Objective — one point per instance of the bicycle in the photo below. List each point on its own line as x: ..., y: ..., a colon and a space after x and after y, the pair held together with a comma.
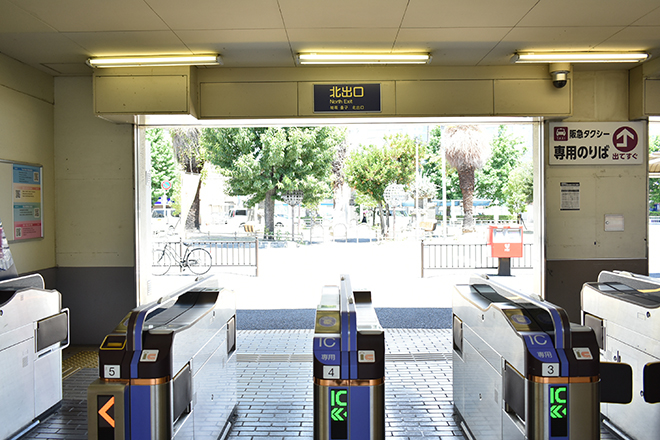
x: 198, y: 260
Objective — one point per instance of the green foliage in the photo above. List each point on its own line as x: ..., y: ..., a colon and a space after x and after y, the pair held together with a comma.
x: 654, y: 190
x: 258, y: 160
x: 163, y: 165
x: 654, y: 183
x: 370, y: 170
x: 518, y: 190
x: 654, y: 144
x: 505, y: 156
x: 432, y: 167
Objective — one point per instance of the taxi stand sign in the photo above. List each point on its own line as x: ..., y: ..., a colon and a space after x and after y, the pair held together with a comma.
x: 597, y: 143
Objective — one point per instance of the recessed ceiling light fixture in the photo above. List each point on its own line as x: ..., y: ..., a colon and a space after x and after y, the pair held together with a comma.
x: 579, y: 57
x: 364, y: 58
x: 160, y: 60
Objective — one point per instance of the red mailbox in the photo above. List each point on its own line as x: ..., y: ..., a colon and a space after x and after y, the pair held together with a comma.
x: 505, y: 241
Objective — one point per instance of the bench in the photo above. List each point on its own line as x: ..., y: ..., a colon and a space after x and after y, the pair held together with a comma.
x: 428, y: 227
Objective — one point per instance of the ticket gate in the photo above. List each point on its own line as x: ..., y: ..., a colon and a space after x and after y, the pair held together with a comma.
x: 349, y: 366
x: 34, y: 329
x: 168, y: 370
x: 520, y: 369
x: 624, y: 311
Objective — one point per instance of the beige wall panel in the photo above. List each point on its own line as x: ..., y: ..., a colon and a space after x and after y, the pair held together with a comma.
x: 570, y: 234
x: 603, y: 191
x: 97, y: 228
x: 94, y: 176
x: 626, y: 186
x: 387, y: 98
x: 636, y: 93
x: 531, y: 98
x: 337, y: 74
x: 600, y: 96
x: 438, y: 98
x: 26, y: 124
x: 141, y: 94
x: 241, y: 100
x: 24, y: 79
x: 652, y: 97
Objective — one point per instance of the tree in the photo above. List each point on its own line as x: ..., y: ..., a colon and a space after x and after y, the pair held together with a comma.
x: 264, y: 163
x: 654, y: 182
x: 654, y: 144
x: 467, y: 150
x: 191, y: 156
x: 519, y: 189
x: 371, y: 169
x: 163, y: 164
x: 505, y: 156
x: 432, y: 168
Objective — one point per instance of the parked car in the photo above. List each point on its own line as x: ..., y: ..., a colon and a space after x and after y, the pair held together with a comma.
x: 237, y: 217
x: 164, y: 220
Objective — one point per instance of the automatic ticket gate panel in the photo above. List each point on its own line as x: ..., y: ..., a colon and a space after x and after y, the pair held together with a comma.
x: 349, y: 367
x: 624, y: 309
x: 521, y: 371
x: 34, y: 329
x: 168, y: 370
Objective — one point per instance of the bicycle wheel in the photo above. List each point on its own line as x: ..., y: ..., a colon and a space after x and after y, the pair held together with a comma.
x: 199, y: 261
x: 161, y: 261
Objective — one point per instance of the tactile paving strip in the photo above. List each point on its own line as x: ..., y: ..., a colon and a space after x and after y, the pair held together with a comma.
x: 78, y: 361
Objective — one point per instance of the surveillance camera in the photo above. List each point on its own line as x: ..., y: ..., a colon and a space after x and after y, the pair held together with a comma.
x: 559, y: 73
x: 559, y: 78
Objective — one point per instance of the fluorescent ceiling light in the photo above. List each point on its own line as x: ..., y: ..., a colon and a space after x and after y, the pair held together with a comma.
x: 362, y: 58
x: 162, y: 60
x: 579, y: 57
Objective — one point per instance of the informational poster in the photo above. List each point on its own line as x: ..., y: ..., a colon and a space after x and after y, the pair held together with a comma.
x: 27, y: 201
x: 597, y: 143
x: 570, y: 196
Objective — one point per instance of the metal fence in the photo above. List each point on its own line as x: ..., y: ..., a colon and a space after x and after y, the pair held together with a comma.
x: 467, y: 256
x: 230, y: 253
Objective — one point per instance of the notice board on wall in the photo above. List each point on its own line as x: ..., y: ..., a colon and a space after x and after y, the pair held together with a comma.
x: 21, y: 200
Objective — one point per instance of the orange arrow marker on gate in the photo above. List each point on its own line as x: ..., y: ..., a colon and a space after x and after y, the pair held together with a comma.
x: 103, y: 412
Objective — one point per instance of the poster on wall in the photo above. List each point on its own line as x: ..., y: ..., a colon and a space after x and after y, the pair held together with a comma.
x: 597, y: 143
x: 570, y: 196
x: 27, y: 201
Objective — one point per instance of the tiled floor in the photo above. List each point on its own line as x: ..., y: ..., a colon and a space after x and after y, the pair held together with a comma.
x: 275, y: 389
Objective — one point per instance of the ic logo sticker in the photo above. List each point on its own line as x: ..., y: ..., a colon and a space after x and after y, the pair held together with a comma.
x: 149, y: 356
x: 582, y: 353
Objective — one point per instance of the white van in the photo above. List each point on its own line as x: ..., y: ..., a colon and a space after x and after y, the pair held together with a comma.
x: 164, y: 220
x: 237, y: 217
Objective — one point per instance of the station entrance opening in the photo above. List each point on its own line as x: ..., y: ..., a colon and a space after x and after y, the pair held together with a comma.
x: 373, y: 195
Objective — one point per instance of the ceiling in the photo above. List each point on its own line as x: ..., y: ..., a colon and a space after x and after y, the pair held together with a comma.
x: 57, y: 36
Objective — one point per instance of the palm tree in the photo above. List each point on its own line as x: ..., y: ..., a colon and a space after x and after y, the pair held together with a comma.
x: 467, y: 150
x: 189, y: 154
